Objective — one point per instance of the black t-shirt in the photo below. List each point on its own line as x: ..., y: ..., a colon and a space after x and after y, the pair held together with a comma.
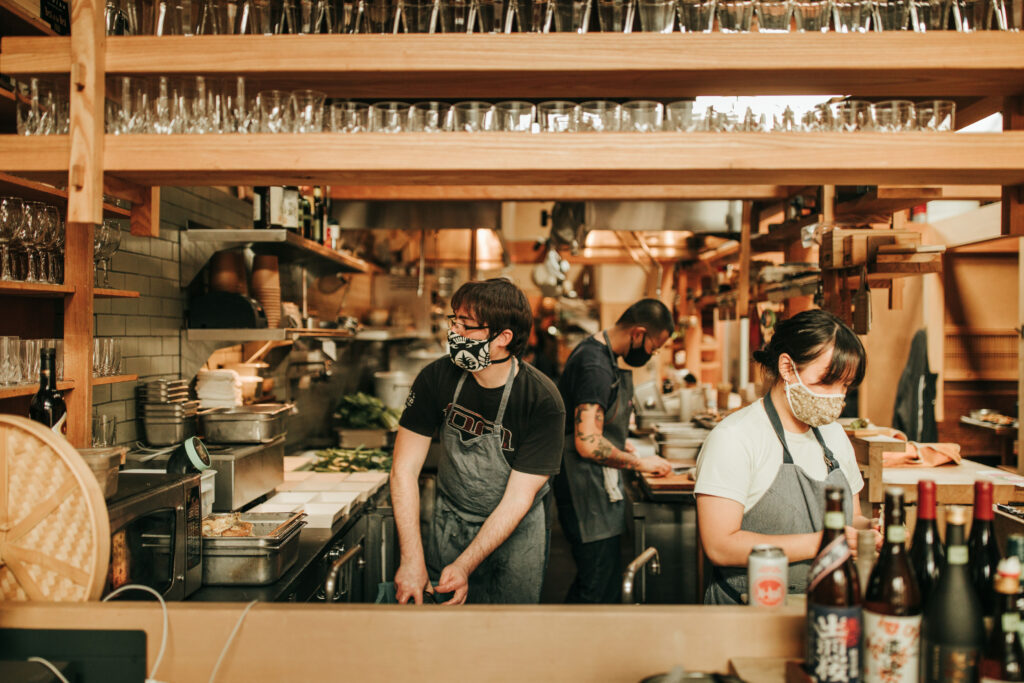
x: 534, y: 415
x: 587, y: 378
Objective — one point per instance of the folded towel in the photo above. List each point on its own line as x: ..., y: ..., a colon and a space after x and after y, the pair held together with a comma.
x: 923, y: 455
x: 611, y: 484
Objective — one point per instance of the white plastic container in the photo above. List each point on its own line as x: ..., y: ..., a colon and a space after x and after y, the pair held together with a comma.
x: 393, y: 388
x: 207, y: 492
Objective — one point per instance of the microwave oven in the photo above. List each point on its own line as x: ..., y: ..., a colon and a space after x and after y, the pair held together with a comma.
x: 156, y: 533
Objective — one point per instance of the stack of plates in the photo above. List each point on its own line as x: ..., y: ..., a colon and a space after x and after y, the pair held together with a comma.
x: 266, y: 286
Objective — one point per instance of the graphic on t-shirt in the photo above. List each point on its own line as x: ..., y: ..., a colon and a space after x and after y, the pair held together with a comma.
x: 472, y: 424
x: 410, y: 399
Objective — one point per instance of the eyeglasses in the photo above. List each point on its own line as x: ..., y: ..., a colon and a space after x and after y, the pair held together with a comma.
x: 454, y: 322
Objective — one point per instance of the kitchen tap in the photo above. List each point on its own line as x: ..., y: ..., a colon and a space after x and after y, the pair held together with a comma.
x: 649, y: 555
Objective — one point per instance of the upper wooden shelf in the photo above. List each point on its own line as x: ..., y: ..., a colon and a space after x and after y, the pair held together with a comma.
x: 41, y: 192
x: 30, y: 389
x: 285, y: 243
x: 34, y: 289
x: 21, y: 17
x: 546, y: 66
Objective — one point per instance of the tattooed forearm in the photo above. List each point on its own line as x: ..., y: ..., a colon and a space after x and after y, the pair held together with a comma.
x: 592, y: 445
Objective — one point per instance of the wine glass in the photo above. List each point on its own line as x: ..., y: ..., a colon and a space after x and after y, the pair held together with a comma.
x: 52, y: 223
x: 30, y: 235
x: 110, y: 244
x: 99, y: 240
x: 12, y: 210
x: 57, y: 260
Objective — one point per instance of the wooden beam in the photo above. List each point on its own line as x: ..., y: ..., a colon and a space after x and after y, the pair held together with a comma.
x: 743, y: 287
x: 979, y: 109
x: 1020, y: 356
x: 555, y: 192
x: 1013, y: 195
x: 145, y: 220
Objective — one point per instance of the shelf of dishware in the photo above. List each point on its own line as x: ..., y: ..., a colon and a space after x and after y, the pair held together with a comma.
x: 19, y: 390
x: 42, y: 192
x: 292, y: 246
x: 265, y: 334
x: 34, y: 289
x: 113, y: 379
x: 417, y: 66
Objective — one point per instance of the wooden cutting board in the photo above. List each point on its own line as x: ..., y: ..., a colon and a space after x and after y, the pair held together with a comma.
x: 673, y: 482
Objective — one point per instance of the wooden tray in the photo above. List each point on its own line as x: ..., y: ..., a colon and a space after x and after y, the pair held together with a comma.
x: 54, y: 528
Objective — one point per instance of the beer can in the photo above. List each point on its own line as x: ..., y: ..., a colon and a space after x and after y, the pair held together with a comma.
x: 767, y: 576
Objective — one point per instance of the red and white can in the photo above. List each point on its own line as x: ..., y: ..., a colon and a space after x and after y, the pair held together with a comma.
x: 767, y: 576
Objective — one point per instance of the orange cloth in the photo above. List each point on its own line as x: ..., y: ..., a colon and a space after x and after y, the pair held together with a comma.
x: 923, y: 455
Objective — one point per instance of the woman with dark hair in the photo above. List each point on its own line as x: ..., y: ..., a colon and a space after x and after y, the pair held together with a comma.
x: 762, y: 472
x: 500, y: 422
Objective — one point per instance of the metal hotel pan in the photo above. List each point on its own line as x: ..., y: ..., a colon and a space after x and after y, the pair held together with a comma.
x: 256, y: 560
x: 261, y: 423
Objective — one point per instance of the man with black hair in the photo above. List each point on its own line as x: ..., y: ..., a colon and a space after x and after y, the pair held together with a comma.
x: 599, y: 397
x: 501, y: 424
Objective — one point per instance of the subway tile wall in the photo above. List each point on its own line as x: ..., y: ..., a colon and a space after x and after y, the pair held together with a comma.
x: 150, y: 325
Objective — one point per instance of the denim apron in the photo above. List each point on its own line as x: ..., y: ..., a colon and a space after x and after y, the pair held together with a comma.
x: 793, y: 504
x: 471, y: 480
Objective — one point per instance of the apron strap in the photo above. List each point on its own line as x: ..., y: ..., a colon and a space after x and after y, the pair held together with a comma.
x: 505, y: 394
x: 613, y: 406
x: 787, y: 458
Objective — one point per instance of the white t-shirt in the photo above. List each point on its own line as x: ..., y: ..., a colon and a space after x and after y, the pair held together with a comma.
x: 742, y: 455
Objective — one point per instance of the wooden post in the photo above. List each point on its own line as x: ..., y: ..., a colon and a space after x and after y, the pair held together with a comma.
x: 85, y: 208
x: 743, y: 301
x: 1013, y: 195
x: 1020, y: 355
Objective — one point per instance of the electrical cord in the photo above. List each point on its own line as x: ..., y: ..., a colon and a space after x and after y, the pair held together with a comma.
x: 49, y: 665
x: 163, y: 637
x: 231, y: 638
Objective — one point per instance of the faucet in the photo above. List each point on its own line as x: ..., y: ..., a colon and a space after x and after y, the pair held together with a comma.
x: 331, y: 581
x: 649, y: 555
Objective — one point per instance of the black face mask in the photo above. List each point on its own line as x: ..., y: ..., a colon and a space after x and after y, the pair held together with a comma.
x: 637, y: 357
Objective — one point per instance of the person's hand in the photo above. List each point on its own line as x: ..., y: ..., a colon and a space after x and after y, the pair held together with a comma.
x: 851, y: 540
x: 629, y: 448
x: 454, y: 579
x: 410, y: 580
x: 659, y: 467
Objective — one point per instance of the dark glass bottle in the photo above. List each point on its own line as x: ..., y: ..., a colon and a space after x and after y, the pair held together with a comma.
x: 305, y: 217
x: 983, y: 548
x: 47, y: 405
x: 953, y: 632
x: 261, y: 207
x: 833, y: 601
x: 1004, y: 657
x: 926, y: 553
x: 319, y: 216
x: 892, y: 605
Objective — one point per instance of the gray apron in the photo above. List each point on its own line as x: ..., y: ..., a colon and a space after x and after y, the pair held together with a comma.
x: 793, y: 504
x: 471, y: 480
x: 598, y: 517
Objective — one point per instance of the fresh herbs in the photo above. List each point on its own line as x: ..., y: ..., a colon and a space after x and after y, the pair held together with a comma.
x: 362, y: 411
x: 352, y: 460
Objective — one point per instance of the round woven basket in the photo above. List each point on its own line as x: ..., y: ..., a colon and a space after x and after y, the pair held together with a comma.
x: 54, y: 527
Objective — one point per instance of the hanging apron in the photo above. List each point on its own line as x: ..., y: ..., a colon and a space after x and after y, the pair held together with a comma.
x: 600, y: 518
x: 793, y: 504
x: 471, y: 480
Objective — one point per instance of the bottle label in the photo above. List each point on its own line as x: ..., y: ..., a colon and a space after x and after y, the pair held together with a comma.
x: 956, y: 554
x: 61, y: 426
x: 257, y: 209
x: 892, y: 647
x: 835, y: 520
x: 896, y: 533
x: 277, y: 218
x: 1011, y: 622
x: 831, y: 557
x: 949, y: 662
x: 833, y: 643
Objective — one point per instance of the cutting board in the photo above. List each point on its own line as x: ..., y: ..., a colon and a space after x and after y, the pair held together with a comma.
x: 673, y: 482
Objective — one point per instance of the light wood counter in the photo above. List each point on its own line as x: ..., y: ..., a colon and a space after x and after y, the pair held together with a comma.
x: 287, y: 642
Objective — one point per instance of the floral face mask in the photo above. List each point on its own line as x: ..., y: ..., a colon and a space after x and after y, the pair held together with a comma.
x: 472, y: 355
x: 811, y: 408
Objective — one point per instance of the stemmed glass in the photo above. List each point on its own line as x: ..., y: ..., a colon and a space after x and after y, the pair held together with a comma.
x: 57, y: 247
x: 12, y: 210
x: 105, y: 243
x: 47, y: 249
x: 31, y: 236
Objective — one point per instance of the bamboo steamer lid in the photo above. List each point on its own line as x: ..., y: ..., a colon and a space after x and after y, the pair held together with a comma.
x: 54, y: 527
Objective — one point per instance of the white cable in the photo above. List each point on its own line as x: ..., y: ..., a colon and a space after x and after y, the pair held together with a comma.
x: 231, y: 638
x: 50, y: 666
x: 163, y: 606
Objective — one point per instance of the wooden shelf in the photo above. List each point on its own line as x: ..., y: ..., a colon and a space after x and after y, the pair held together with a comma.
x: 34, y: 289
x: 41, y: 192
x: 884, y: 201
x: 113, y: 379
x: 100, y: 293
x: 30, y: 389
x: 285, y: 243
x: 415, y: 66
x: 782, y: 235
x: 17, y: 18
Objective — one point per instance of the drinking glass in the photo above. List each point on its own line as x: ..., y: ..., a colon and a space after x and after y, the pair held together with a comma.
x: 935, y: 114
x: 890, y: 15
x: 120, y: 18
x: 323, y: 17
x: 309, y: 111
x: 571, y: 16
x: 28, y: 359
x: 249, y: 17
x: 853, y: 115
x: 656, y: 16
x: 104, y: 430
x: 51, y: 227
x: 532, y: 16
x: 599, y: 116
x: 36, y: 114
x: 514, y: 116
x: 277, y: 111
x: 734, y: 16
x: 643, y: 116
x: 10, y: 364
x: 558, y: 116
x: 851, y: 16
x: 894, y: 115
x: 350, y: 117
x: 490, y: 16
x: 472, y: 116
x: 58, y: 252
x: 979, y: 15
x: 286, y: 18
x: 12, y: 211
x: 453, y: 16
x: 31, y: 236
x: 212, y: 18
x: 773, y: 16
x: 429, y: 117
x: 811, y: 16
x: 240, y: 110
x: 97, y: 356
x: 721, y: 120
x: 111, y: 240
x: 681, y: 116
x: 419, y: 16
x: 696, y: 16
x: 376, y: 16
x: 389, y: 117
x: 615, y: 16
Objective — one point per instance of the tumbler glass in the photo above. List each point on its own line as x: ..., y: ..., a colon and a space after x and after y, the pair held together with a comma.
x: 419, y: 16
x: 514, y: 116
x: 894, y: 115
x: 212, y: 18
x: 643, y: 116
x: 389, y: 117
x: 734, y: 16
x: 928, y: 15
x: 10, y: 363
x: 853, y: 115
x: 532, y: 16
x: 615, y: 16
x: 277, y: 111
x: 429, y: 117
x: 453, y: 16
x: 473, y: 116
x: 696, y: 16
x: 350, y: 117
x: 936, y: 115
x: 97, y: 356
x: 599, y: 116
x: 811, y: 16
x: 309, y: 111
x: 890, y: 15
x: 28, y: 354
x: 851, y: 16
x: 681, y: 116
x: 571, y: 16
x: 558, y: 116
x: 376, y: 16
x: 773, y: 16
x: 656, y: 16
x: 979, y: 15
x: 104, y: 430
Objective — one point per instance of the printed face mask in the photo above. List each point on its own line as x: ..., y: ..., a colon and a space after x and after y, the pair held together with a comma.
x: 472, y: 355
x: 811, y: 408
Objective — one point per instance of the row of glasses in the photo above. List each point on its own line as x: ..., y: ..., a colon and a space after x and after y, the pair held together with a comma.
x: 43, y: 107
x: 166, y: 105
x: 31, y: 241
x: 106, y: 356
x: 19, y: 359
x: 106, y: 239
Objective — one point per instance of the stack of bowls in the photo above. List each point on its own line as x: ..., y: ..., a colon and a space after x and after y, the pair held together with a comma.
x: 266, y: 286
x: 227, y: 272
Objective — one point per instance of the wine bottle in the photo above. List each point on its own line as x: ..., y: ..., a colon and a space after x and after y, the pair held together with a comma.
x: 892, y: 605
x: 47, y: 405
x: 953, y: 632
x: 926, y: 553
x: 319, y: 216
x: 290, y: 208
x: 833, y: 601
x: 261, y: 207
x: 305, y: 217
x: 983, y: 548
x: 1004, y: 656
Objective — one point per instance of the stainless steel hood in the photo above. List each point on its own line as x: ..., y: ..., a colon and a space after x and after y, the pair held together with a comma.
x: 716, y: 216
